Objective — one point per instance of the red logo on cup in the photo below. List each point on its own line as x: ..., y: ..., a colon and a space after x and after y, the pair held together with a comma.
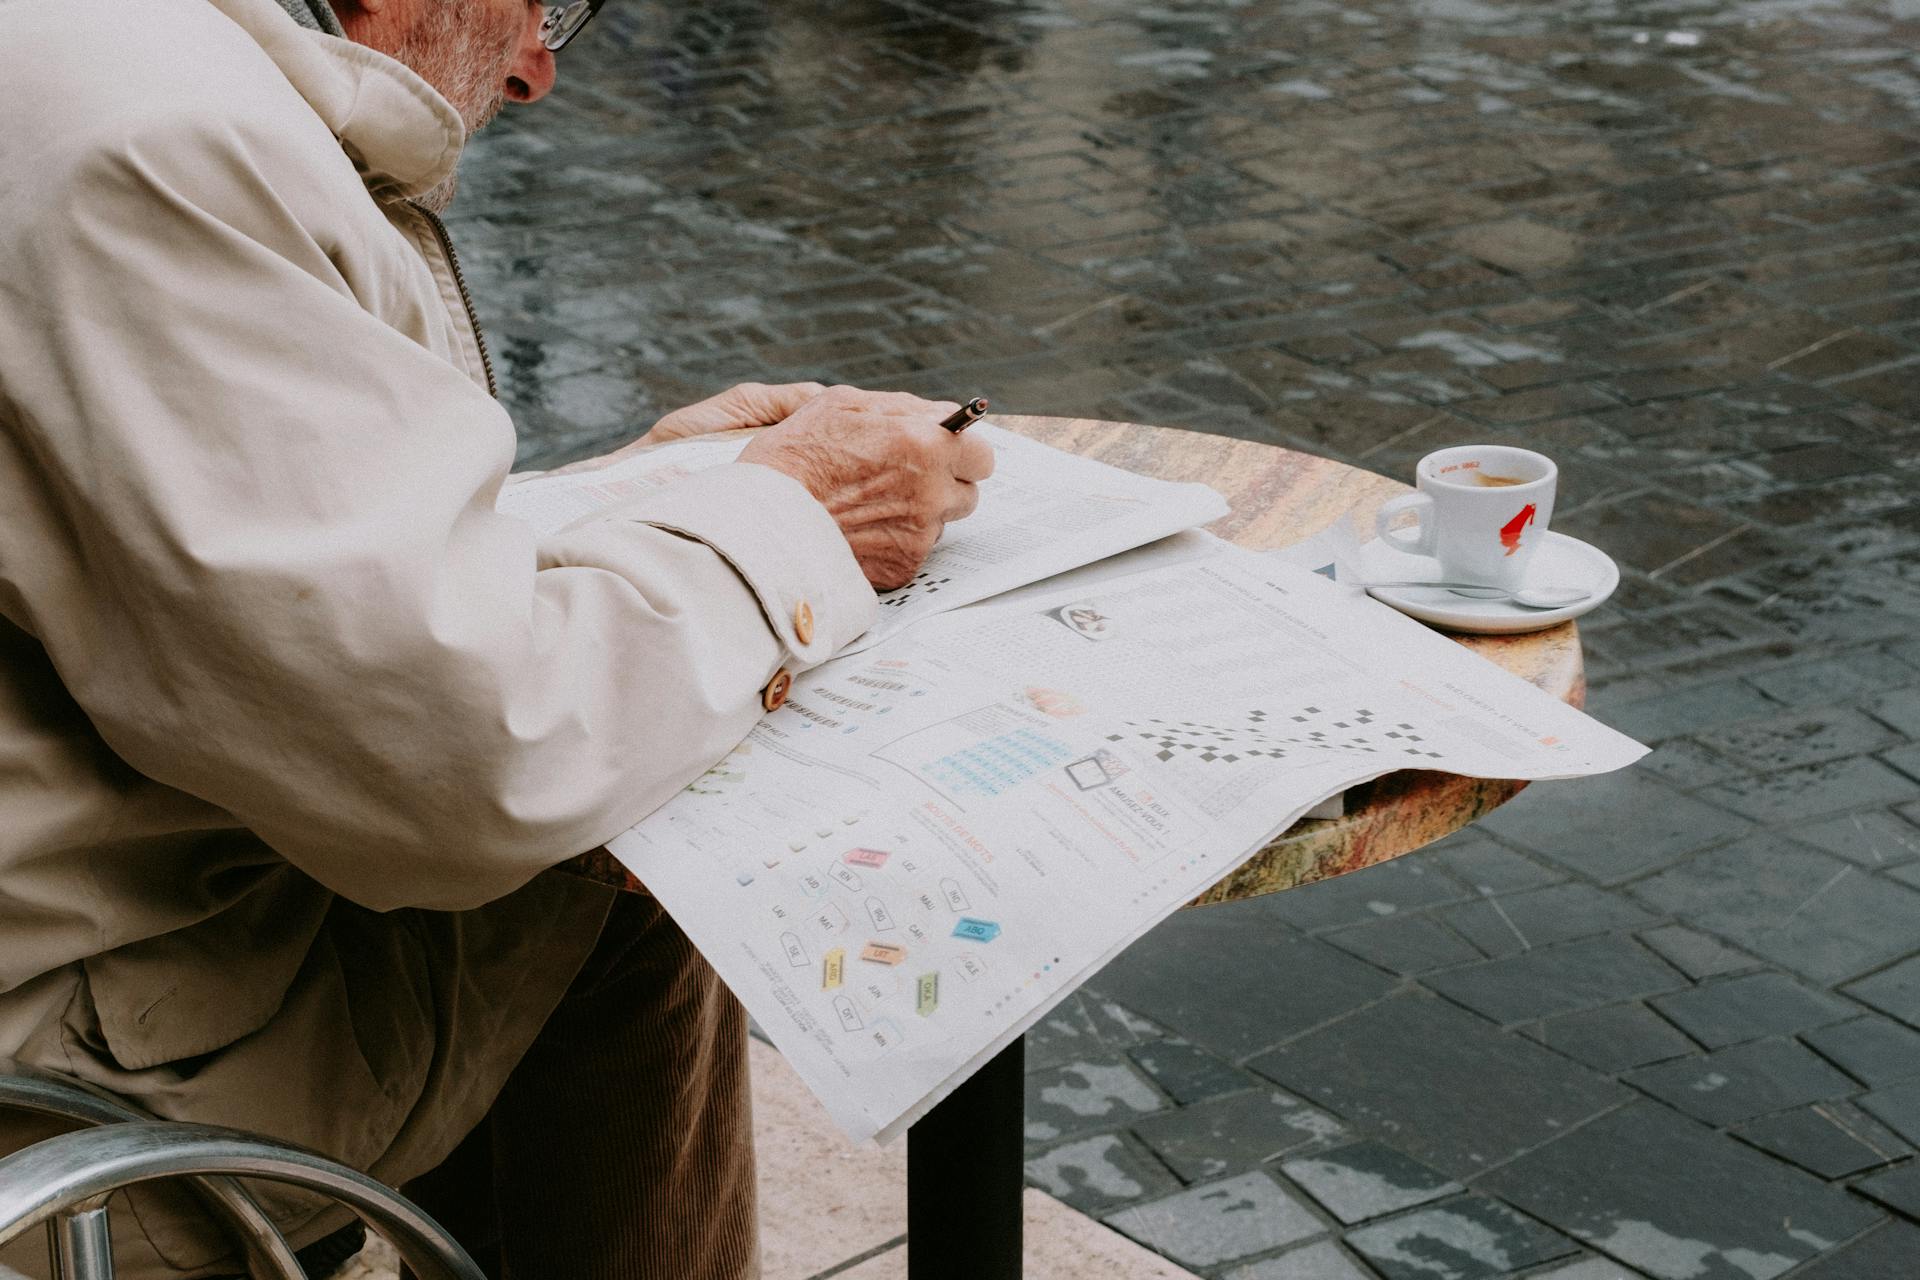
x: 1510, y: 531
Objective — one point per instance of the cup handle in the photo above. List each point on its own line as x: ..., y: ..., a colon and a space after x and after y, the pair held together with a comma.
x: 1421, y: 542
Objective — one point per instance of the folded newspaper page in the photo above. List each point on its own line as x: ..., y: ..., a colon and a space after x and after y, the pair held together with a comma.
x: 1044, y: 511
x: 935, y: 841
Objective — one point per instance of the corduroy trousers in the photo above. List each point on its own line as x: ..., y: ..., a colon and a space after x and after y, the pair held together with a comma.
x: 621, y: 1147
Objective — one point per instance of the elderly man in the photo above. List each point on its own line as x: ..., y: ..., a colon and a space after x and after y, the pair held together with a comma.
x: 292, y: 723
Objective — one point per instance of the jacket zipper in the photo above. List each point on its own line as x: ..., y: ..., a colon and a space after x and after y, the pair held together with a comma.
x: 466, y: 298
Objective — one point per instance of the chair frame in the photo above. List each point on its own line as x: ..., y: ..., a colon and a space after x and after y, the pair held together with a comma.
x: 64, y: 1182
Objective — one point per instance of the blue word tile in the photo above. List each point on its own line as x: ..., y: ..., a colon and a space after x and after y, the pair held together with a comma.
x: 978, y: 930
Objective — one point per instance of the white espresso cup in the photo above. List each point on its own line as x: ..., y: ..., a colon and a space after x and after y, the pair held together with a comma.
x: 1481, y: 510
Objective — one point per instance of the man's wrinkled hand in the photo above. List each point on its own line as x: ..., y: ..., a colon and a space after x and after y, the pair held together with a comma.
x: 884, y: 467
x: 750, y: 404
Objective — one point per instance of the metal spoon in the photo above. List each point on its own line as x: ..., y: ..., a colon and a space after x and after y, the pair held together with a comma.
x: 1525, y: 597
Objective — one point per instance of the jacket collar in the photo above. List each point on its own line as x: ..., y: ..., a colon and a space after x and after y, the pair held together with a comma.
x: 317, y: 14
x: 400, y: 133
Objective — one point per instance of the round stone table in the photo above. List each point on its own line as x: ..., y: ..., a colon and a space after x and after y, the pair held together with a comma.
x: 964, y: 1159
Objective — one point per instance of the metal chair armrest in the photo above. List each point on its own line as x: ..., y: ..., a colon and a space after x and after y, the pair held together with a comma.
x: 66, y: 1172
x: 26, y: 1088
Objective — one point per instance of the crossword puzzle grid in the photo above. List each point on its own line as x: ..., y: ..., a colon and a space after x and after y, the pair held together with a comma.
x: 1318, y: 730
x: 923, y: 584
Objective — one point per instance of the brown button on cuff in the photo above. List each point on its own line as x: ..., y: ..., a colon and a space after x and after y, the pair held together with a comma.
x: 775, y: 694
x: 803, y: 623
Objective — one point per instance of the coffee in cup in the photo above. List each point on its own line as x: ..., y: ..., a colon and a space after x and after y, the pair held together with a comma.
x: 1480, y: 510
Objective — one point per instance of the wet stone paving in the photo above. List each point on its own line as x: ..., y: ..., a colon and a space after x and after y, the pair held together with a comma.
x: 1660, y: 1024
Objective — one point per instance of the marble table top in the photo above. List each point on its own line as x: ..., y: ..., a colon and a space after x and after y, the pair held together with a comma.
x: 1278, y: 497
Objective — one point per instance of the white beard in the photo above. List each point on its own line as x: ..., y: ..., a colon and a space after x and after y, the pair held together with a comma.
x: 453, y: 49
x: 436, y: 198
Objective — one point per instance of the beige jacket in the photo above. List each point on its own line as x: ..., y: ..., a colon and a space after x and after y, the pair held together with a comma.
x: 290, y: 719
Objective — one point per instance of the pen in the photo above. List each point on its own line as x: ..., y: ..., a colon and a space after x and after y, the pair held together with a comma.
x: 962, y: 418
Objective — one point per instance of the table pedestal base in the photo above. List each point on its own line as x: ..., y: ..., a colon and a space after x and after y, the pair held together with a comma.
x: 965, y: 1171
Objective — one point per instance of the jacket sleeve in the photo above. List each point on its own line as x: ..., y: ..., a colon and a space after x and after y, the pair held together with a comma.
x: 281, y: 585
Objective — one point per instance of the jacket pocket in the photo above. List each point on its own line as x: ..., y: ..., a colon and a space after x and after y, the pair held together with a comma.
x: 196, y: 990
x: 337, y: 1063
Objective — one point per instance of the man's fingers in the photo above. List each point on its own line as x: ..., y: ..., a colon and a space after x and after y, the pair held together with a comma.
x: 763, y: 404
x: 961, y: 501
x: 972, y: 458
x: 749, y: 404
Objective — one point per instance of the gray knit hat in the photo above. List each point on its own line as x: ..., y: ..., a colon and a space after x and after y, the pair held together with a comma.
x: 317, y: 14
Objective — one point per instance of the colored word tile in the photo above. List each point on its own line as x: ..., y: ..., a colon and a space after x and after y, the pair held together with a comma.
x: 883, y: 952
x: 833, y: 970
x: 927, y: 994
x: 978, y: 930
x: 875, y: 858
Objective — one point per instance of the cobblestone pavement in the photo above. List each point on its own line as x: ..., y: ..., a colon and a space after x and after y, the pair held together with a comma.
x: 1665, y: 1023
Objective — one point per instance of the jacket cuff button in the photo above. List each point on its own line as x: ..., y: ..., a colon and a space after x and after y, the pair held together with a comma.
x: 775, y: 694
x: 803, y: 623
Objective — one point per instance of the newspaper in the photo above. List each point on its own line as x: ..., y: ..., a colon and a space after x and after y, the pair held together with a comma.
x: 1041, y: 513
x: 935, y: 841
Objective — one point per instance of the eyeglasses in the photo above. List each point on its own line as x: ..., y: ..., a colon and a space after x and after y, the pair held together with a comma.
x: 562, y: 22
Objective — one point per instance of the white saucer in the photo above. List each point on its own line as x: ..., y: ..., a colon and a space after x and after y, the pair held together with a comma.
x: 1560, y: 562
